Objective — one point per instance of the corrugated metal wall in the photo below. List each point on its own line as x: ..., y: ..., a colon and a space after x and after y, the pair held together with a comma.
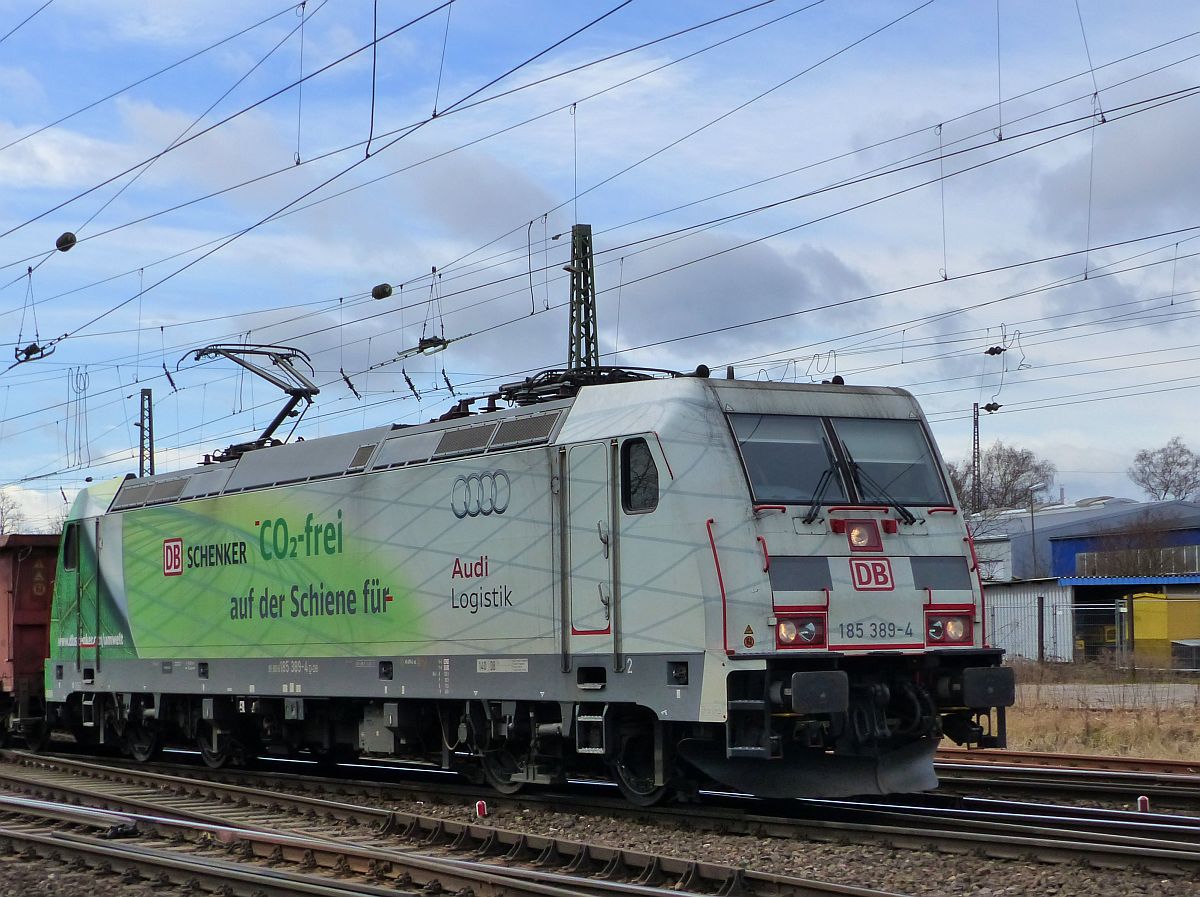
x: 1012, y: 619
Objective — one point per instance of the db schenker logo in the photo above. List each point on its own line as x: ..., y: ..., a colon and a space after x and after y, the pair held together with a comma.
x: 172, y: 557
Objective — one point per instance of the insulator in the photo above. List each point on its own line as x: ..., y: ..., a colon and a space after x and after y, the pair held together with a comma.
x: 381, y: 291
x: 65, y: 242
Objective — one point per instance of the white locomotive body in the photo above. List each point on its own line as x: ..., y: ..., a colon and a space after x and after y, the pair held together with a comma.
x: 669, y: 580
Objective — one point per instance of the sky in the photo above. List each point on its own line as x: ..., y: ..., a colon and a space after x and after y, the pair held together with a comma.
x: 794, y: 189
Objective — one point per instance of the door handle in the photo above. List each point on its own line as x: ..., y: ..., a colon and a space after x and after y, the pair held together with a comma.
x: 602, y: 532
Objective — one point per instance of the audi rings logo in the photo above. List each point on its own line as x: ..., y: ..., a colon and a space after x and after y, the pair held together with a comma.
x: 479, y: 494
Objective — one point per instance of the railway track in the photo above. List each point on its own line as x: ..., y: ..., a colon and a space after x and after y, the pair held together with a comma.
x: 1163, y: 844
x: 1044, y: 760
x: 1121, y: 779
x: 257, y: 825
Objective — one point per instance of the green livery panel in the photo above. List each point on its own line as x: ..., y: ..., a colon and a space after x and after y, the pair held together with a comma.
x: 449, y: 558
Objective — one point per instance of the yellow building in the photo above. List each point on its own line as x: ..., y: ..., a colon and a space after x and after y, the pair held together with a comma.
x: 1160, y: 619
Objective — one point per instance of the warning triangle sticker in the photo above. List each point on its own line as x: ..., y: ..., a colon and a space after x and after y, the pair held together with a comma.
x: 749, y: 631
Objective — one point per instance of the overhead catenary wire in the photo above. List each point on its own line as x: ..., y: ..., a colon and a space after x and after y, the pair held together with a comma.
x: 512, y: 374
x: 1183, y: 94
x: 224, y: 121
x: 25, y: 21
x: 449, y: 309
x: 140, y: 81
x: 302, y: 207
x: 345, y: 170
x: 351, y: 146
x: 1058, y: 283
x: 687, y: 337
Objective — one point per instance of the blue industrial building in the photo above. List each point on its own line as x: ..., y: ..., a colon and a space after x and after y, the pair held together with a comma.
x: 1103, y: 577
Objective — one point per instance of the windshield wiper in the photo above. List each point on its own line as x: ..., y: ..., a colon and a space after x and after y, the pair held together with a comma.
x: 861, y: 475
x: 822, y: 485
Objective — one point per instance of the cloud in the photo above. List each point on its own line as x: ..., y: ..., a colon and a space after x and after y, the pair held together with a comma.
x: 474, y: 195
x: 21, y: 87
x: 749, y: 283
x: 156, y: 23
x: 1136, y: 183
x: 57, y: 158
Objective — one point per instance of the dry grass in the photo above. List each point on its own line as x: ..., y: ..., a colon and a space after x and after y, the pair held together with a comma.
x: 1165, y: 733
x: 1095, y: 709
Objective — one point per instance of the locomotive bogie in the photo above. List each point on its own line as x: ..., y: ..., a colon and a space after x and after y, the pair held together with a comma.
x: 666, y: 582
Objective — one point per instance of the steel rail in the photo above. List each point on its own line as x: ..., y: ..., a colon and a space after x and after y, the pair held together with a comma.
x: 1117, y: 844
x: 169, y: 867
x: 318, y: 852
x: 1071, y: 783
x: 150, y: 796
x: 1107, y: 762
x: 1112, y: 778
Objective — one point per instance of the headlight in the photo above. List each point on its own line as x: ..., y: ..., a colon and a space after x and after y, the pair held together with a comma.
x: 807, y: 631
x: 862, y: 535
x: 948, y: 628
x: 859, y: 536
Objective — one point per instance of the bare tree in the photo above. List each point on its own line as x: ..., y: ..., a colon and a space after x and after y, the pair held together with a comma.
x: 11, y: 516
x: 58, y: 520
x: 1006, y: 474
x: 1172, y: 471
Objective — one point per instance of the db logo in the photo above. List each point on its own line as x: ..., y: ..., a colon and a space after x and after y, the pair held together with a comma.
x: 172, y: 557
x: 872, y: 575
x: 484, y: 493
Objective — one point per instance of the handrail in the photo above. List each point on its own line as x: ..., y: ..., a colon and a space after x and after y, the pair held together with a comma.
x: 720, y: 582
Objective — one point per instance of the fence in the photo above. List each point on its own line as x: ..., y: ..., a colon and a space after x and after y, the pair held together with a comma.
x: 1035, y: 627
x: 1143, y: 631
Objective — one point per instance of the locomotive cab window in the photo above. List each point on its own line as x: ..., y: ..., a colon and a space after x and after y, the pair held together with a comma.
x: 639, y: 477
x: 788, y: 458
x: 71, y: 546
x: 891, y: 460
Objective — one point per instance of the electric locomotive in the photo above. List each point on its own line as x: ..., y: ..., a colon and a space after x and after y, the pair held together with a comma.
x: 675, y: 581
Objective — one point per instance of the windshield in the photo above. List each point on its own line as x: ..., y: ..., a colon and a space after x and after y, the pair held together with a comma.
x: 893, y: 461
x: 786, y: 457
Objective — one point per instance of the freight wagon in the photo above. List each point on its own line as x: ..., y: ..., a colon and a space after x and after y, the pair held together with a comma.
x: 26, y: 587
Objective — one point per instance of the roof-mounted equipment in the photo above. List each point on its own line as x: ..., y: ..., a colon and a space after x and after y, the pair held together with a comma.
x: 295, y: 384
x: 565, y: 384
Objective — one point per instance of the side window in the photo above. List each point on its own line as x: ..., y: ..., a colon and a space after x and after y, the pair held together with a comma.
x: 71, y: 546
x: 639, y: 477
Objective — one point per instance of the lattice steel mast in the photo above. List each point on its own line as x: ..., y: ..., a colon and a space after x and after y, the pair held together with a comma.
x: 146, y: 439
x: 583, y: 350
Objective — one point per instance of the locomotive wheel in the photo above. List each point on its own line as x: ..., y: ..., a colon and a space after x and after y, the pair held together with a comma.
x: 634, y: 772
x: 37, y: 735
x: 142, y: 742
x: 213, y: 759
x: 498, y: 767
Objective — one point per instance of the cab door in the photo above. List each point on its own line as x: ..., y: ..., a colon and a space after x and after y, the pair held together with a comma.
x: 590, y: 544
x: 87, y: 596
